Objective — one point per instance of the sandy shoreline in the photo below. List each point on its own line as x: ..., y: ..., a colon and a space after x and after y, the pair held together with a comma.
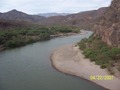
x: 70, y: 60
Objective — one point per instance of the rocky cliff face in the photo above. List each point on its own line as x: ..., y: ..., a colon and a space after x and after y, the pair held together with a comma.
x: 108, y: 26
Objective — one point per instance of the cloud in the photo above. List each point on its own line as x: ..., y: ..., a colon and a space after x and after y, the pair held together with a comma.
x: 37, y: 6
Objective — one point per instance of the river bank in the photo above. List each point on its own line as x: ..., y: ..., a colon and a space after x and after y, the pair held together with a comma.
x: 70, y: 60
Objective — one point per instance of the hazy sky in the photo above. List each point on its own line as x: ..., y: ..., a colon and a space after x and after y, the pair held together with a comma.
x: 42, y: 6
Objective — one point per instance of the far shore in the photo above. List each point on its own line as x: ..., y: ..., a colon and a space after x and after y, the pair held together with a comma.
x: 70, y: 60
x: 63, y: 34
x: 68, y: 34
x: 2, y: 47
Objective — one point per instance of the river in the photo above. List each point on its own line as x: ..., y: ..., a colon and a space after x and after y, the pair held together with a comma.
x: 29, y: 68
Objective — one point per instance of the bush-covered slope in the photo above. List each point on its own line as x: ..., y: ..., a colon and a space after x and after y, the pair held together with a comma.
x: 99, y: 52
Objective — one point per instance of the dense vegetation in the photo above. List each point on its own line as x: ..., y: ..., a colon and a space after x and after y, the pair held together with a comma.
x: 15, y: 37
x: 103, y: 55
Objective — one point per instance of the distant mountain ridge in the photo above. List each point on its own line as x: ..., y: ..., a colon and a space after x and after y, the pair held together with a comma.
x: 78, y: 19
x: 20, y: 16
x: 52, y: 14
x: 83, y: 19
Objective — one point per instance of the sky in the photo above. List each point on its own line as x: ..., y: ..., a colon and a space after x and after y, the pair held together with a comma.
x: 47, y: 6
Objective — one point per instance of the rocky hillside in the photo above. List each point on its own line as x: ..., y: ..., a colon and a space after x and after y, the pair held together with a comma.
x: 14, y: 24
x: 108, y: 26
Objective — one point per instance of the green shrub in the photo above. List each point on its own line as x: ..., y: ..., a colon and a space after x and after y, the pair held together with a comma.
x: 103, y: 66
x: 115, y: 53
x: 82, y: 46
x: 14, y: 43
x: 87, y: 53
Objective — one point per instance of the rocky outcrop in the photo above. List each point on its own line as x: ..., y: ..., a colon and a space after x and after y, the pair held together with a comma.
x: 108, y: 26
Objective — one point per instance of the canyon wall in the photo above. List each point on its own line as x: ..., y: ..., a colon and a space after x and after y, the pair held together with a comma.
x: 108, y: 26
